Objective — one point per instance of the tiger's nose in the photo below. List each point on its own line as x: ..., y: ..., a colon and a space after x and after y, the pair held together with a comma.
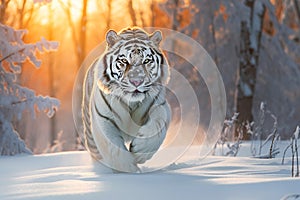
x: 136, y: 82
x: 136, y: 76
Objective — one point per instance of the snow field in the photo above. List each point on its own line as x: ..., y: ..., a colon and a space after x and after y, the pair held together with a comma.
x: 73, y: 175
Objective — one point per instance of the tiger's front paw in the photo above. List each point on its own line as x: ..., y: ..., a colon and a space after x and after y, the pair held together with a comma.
x: 143, y: 148
x: 128, y: 168
x: 122, y: 162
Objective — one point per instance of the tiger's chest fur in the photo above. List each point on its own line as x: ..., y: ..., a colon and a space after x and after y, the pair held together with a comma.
x: 128, y: 117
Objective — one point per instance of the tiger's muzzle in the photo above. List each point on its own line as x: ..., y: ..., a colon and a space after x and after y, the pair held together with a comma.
x: 136, y: 76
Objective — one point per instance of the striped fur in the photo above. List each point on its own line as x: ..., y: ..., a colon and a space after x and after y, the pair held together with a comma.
x: 125, y: 114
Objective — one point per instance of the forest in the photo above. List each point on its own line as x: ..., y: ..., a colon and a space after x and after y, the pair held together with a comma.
x: 43, y: 43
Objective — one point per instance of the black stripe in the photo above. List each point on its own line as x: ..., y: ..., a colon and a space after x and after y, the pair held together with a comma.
x: 157, y: 60
x: 153, y: 53
x: 109, y: 106
x: 135, y: 41
x: 162, y: 60
x: 121, y: 55
x: 149, y: 55
x: 118, y: 68
x: 128, y: 47
x: 110, y: 59
x: 117, y: 52
x: 111, y: 71
x: 98, y: 113
x: 105, y: 75
x: 163, y: 103
x: 105, y: 100
x: 106, y: 118
x: 158, y: 54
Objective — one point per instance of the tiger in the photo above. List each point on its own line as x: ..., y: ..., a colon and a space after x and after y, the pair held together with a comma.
x: 124, y: 108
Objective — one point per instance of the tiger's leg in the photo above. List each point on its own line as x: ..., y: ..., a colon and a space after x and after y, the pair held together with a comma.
x: 110, y: 143
x: 152, y: 134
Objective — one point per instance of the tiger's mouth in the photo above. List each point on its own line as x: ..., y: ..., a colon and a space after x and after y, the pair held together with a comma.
x: 135, y: 95
x: 135, y: 92
x: 138, y: 92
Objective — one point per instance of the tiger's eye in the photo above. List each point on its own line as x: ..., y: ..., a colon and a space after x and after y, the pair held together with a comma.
x: 124, y: 61
x: 146, y: 61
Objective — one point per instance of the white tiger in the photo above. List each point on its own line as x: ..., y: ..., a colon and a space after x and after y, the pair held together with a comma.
x: 125, y: 113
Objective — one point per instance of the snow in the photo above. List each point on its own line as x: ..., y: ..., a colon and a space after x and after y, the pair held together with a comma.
x: 73, y: 175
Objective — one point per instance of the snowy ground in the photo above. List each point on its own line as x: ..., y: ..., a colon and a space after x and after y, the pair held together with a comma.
x: 73, y: 175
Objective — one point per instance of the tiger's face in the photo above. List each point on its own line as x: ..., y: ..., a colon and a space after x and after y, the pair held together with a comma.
x: 134, y: 65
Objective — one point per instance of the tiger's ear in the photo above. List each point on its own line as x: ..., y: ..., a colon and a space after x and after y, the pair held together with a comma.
x: 111, y: 37
x: 156, y: 37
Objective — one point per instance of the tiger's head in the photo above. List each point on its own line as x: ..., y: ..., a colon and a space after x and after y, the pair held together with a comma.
x: 134, y: 66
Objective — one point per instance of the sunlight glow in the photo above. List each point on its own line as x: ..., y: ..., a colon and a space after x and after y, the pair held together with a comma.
x: 57, y: 9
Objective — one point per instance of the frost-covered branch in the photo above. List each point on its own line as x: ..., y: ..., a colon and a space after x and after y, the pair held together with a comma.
x: 224, y: 139
x: 295, y: 154
x: 11, y: 54
x: 15, y: 99
x: 257, y: 132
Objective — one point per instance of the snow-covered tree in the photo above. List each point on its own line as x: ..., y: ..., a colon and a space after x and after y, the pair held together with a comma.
x: 15, y: 99
x: 255, y: 44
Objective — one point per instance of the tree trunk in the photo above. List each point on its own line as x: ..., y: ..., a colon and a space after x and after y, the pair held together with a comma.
x: 213, y: 32
x: 51, y: 76
x: 175, y: 21
x: 25, y: 14
x: 297, y: 8
x: 3, y: 7
x: 66, y: 7
x: 132, y: 13
x: 251, y: 31
x: 152, y: 13
x: 108, y: 19
x: 82, y: 33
